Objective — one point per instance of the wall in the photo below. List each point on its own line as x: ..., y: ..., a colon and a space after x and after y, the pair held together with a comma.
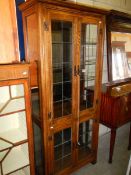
x: 121, y: 5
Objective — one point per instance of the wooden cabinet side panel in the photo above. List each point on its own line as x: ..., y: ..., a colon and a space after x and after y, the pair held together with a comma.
x: 30, y: 23
x: 108, y: 111
x: 9, y: 47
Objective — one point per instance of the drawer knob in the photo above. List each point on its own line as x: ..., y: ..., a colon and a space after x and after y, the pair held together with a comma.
x: 24, y: 73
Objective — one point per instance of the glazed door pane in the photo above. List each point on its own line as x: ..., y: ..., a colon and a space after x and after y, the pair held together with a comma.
x: 85, y: 139
x: 62, y: 67
x: 62, y: 149
x: 89, y: 39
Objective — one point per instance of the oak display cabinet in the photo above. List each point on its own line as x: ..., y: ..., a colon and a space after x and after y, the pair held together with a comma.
x: 64, y: 43
x: 16, y: 138
x: 116, y: 96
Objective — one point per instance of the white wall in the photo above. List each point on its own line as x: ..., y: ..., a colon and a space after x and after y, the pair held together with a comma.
x: 121, y: 5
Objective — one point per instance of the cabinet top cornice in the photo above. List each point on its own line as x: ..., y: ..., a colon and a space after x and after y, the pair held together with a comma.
x: 63, y: 3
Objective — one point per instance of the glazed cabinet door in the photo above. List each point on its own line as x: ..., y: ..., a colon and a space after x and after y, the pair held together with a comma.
x: 16, y: 150
x: 89, y: 78
x: 62, y: 100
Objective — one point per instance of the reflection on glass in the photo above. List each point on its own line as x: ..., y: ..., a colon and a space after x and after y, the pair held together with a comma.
x: 62, y: 149
x: 62, y: 67
x: 85, y: 138
x: 121, y: 55
x: 88, y: 65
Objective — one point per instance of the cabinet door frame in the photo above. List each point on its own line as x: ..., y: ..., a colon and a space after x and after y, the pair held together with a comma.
x: 64, y: 122
x: 92, y: 112
x: 25, y: 83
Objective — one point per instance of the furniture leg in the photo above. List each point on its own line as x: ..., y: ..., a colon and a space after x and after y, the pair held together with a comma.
x: 129, y: 146
x: 112, y: 143
x: 129, y: 167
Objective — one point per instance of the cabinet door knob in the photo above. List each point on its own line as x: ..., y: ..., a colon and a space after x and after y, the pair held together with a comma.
x: 52, y: 127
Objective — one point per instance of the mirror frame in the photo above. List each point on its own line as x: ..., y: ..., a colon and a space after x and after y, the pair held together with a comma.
x: 116, y: 22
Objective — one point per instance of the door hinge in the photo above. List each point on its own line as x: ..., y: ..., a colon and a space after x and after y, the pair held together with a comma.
x: 101, y: 31
x: 50, y: 138
x: 46, y: 26
x: 49, y: 115
x: 97, y: 101
x: 75, y: 71
x: 78, y: 71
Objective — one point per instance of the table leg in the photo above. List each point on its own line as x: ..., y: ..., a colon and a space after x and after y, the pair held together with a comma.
x: 129, y: 146
x: 112, y: 143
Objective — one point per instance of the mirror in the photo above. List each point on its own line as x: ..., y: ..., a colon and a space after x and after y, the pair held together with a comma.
x: 121, y: 55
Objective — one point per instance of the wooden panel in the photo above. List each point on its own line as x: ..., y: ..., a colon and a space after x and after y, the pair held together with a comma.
x: 8, y: 72
x: 115, y: 111
x: 9, y: 48
x: 32, y: 49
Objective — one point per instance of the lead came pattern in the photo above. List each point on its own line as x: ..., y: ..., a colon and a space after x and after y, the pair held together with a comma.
x: 62, y: 149
x: 85, y: 139
x: 14, y: 158
x: 88, y: 65
x: 62, y: 67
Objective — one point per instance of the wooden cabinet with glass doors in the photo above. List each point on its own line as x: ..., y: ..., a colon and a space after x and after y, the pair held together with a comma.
x: 16, y: 136
x: 65, y: 42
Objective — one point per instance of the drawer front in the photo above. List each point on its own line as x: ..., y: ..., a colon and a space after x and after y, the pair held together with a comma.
x: 9, y: 72
x: 121, y: 90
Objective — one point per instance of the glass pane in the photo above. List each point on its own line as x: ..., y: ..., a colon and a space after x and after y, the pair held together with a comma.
x: 62, y: 67
x: 88, y: 65
x: 62, y: 149
x: 4, y: 96
x: 121, y: 55
x: 17, y: 91
x: 17, y: 158
x: 85, y: 139
x: 24, y: 171
x: 11, y: 99
x: 13, y: 128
